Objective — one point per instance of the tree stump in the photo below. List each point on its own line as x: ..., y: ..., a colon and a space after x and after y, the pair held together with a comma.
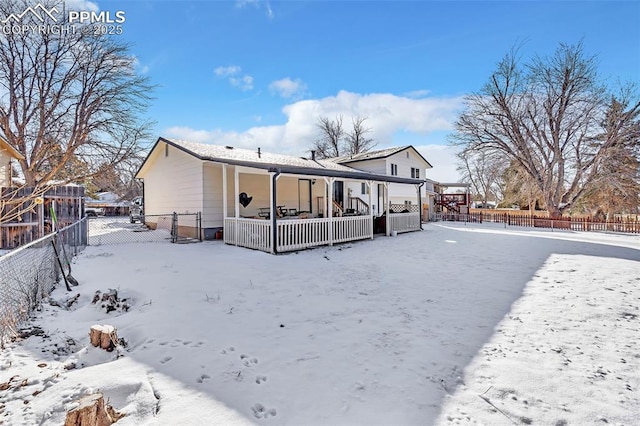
x: 90, y: 412
x: 103, y: 336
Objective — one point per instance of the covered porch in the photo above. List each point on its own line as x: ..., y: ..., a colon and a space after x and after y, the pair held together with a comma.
x: 277, y: 210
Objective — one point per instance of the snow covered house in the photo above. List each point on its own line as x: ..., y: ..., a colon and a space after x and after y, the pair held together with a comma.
x: 275, y: 202
x: 7, y: 154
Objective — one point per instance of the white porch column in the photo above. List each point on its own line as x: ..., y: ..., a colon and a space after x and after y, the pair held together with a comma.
x: 419, y: 195
x: 272, y: 213
x: 370, y: 190
x: 224, y: 193
x: 236, y: 192
x: 388, y: 212
x: 329, y: 182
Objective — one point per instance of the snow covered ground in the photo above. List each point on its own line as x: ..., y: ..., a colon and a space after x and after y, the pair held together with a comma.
x: 457, y: 324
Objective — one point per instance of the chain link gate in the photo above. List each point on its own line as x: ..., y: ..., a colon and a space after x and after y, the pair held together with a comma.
x: 173, y: 227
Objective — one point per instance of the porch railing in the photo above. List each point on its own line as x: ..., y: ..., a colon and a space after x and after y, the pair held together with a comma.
x: 352, y: 228
x: 357, y: 204
x: 299, y: 234
x: 404, y: 222
x: 250, y: 233
x: 296, y: 234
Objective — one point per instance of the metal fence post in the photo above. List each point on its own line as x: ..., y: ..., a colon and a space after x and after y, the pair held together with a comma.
x: 174, y: 227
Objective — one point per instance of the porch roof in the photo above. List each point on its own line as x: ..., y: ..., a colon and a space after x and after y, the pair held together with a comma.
x: 276, y: 162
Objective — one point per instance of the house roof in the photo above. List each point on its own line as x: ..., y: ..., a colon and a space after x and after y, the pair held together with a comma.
x: 376, y: 155
x: 4, y: 145
x: 275, y: 162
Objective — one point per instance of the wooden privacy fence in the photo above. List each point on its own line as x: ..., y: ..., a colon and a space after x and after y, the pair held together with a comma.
x: 534, y: 221
x: 34, y: 221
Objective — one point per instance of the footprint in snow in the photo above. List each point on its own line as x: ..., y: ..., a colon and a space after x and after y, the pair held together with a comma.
x: 166, y: 359
x: 262, y: 412
x: 227, y: 350
x: 248, y: 362
x: 202, y: 378
x: 261, y: 379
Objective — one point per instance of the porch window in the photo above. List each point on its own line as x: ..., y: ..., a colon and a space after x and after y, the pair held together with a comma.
x: 363, y: 188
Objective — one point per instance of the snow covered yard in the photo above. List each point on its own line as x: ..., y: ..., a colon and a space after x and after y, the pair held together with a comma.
x: 455, y: 324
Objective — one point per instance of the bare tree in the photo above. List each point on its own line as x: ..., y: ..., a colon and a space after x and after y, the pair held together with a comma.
x: 617, y: 185
x: 70, y: 101
x: 519, y: 188
x: 334, y: 141
x: 547, y: 117
x: 356, y: 140
x: 331, y: 133
x: 484, y: 171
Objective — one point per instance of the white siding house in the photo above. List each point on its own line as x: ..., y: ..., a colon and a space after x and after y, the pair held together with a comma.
x: 7, y: 154
x: 404, y: 161
x: 275, y: 202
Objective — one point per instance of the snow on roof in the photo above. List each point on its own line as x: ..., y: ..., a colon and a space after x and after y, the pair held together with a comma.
x: 381, y: 153
x: 373, y: 155
x: 222, y: 153
x: 269, y: 161
x: 6, y: 146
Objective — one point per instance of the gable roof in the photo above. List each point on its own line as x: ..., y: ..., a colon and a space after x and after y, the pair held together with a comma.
x: 272, y: 162
x: 376, y: 155
x: 4, y: 145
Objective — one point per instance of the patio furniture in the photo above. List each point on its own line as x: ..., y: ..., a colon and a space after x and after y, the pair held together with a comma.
x: 264, y: 212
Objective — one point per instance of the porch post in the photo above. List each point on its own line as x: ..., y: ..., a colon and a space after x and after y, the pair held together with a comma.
x: 370, y: 190
x: 329, y: 182
x: 224, y: 193
x: 273, y: 177
x: 224, y: 201
x: 419, y: 190
x: 236, y: 192
x: 388, y: 212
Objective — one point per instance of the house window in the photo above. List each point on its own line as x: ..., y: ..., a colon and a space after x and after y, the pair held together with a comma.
x: 394, y: 169
x: 407, y: 202
x: 166, y: 150
x: 363, y: 188
x: 415, y: 173
x: 407, y: 154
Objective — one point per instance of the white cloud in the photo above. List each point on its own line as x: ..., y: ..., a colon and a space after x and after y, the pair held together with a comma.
x: 235, y: 77
x: 81, y: 5
x: 227, y: 71
x: 443, y: 160
x: 416, y: 120
x: 288, y: 88
x: 269, y: 9
x: 241, y: 4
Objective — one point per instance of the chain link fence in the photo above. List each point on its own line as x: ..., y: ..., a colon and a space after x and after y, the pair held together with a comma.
x: 173, y: 227
x: 29, y: 273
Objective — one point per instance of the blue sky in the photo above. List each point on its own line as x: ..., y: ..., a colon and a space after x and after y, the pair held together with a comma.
x: 258, y: 73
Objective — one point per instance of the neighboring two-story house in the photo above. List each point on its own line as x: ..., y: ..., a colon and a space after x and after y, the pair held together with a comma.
x: 403, y: 161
